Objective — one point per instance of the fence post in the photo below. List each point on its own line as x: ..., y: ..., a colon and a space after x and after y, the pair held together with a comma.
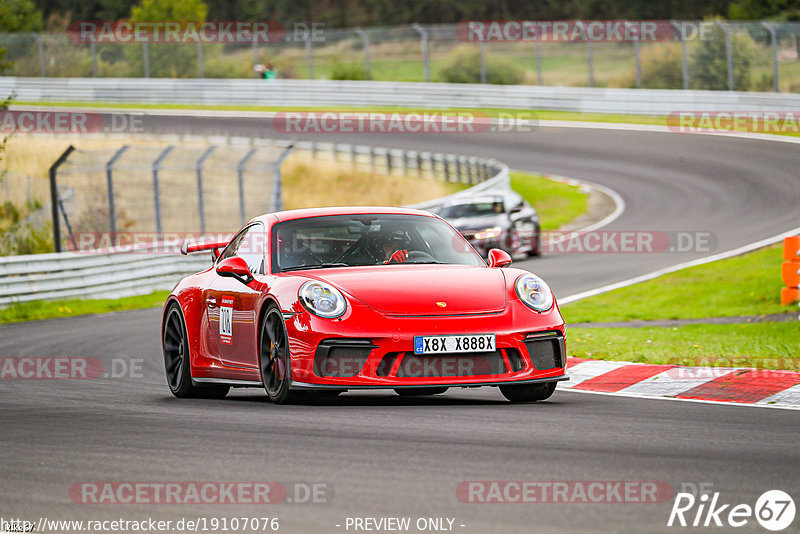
x: 482, y: 48
x: 201, y: 205
x: 42, y: 58
x: 773, y: 38
x: 255, y: 52
x: 93, y: 51
x: 637, y: 60
x: 112, y: 211
x: 728, y: 53
x: 201, y: 71
x: 240, y: 173
x: 277, y: 188
x: 590, y: 61
x: 156, y: 191
x: 684, y: 53
x: 365, y: 42
x: 537, y: 47
x: 54, y: 198
x: 388, y: 161
x: 146, y: 58
x: 309, y: 56
x: 425, y: 52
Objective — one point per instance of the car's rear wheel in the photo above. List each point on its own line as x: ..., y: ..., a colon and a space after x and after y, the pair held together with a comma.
x: 274, y: 360
x: 528, y: 392
x: 177, y: 362
x: 414, y: 392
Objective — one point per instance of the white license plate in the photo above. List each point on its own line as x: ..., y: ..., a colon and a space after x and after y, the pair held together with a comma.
x: 454, y: 344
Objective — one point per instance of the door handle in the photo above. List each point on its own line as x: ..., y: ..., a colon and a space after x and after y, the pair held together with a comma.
x: 212, y: 302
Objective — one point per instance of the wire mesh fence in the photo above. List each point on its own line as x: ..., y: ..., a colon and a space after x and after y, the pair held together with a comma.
x: 104, y: 195
x: 161, y: 189
x: 742, y: 56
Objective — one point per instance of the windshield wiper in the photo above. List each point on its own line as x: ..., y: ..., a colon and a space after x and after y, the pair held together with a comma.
x: 431, y: 262
x: 315, y: 266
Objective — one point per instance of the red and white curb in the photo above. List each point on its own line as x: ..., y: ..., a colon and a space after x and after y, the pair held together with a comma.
x: 757, y: 387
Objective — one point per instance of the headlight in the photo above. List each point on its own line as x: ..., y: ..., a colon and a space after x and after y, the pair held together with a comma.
x: 322, y: 299
x: 534, y: 292
x: 489, y: 233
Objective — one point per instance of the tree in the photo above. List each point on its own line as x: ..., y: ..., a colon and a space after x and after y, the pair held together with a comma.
x: 19, y: 16
x: 170, y: 10
x: 167, y: 59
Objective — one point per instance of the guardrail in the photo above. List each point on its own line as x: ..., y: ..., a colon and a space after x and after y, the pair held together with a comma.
x: 415, y: 95
x: 138, y: 272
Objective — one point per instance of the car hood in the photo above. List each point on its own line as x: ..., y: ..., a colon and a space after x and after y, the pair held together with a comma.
x: 421, y: 289
x: 479, y: 222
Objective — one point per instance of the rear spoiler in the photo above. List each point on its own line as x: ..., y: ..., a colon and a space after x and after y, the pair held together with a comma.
x: 190, y: 248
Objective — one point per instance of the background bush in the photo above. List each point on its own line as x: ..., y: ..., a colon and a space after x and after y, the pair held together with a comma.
x: 464, y: 66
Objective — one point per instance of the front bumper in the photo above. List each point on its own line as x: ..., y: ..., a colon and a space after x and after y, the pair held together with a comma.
x: 366, y: 349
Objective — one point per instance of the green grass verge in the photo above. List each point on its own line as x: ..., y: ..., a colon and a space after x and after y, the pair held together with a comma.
x: 31, y: 311
x: 533, y: 114
x: 555, y: 202
x: 744, y: 285
x: 759, y: 345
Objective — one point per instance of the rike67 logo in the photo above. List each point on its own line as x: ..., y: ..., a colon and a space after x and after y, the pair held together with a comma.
x: 774, y: 510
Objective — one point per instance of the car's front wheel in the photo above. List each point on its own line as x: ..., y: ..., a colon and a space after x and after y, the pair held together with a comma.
x: 274, y: 361
x: 176, y: 359
x: 528, y: 392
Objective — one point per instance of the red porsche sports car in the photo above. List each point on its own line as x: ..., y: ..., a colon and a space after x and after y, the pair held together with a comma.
x: 315, y: 302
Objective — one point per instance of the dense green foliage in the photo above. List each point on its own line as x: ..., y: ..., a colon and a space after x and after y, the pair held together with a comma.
x: 348, y: 13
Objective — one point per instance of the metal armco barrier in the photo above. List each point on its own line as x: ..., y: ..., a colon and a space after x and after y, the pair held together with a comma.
x: 413, y: 95
x: 138, y: 272
x: 791, y: 270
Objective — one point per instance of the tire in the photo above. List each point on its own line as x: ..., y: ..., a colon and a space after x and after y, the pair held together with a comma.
x: 536, y: 246
x: 274, y: 361
x: 177, y: 361
x: 528, y: 392
x: 417, y: 392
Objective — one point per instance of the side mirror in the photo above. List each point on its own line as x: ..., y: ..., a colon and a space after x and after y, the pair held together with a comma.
x: 499, y: 258
x: 235, y: 267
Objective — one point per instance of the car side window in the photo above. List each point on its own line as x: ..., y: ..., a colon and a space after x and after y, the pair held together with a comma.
x: 250, y: 246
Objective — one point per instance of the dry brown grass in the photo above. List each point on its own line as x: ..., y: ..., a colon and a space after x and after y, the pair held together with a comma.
x: 310, y: 183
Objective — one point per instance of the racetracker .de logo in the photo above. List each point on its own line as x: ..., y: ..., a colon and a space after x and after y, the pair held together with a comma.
x: 199, y: 492
x: 176, y: 32
x: 413, y: 122
x: 68, y: 368
x: 565, y: 31
x: 68, y: 122
x: 769, y: 122
x: 564, y: 492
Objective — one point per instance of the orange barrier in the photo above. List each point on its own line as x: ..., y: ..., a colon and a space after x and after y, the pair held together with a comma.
x: 791, y: 270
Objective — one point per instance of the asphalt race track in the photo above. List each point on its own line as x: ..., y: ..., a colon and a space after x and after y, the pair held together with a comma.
x: 386, y: 456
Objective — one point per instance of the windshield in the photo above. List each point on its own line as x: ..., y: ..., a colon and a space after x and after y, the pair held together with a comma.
x: 354, y: 240
x: 475, y: 209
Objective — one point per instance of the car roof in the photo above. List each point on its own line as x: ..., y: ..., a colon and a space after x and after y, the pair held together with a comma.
x: 290, y: 215
x: 483, y: 196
